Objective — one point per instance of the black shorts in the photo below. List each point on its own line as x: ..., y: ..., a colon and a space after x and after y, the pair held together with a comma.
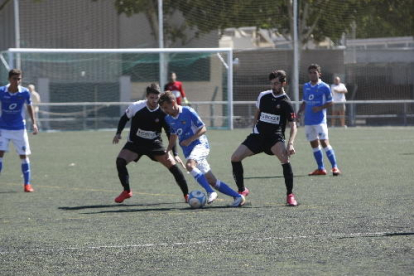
x: 259, y: 143
x: 156, y: 148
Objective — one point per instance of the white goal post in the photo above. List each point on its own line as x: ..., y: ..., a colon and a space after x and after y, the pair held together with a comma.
x: 207, y: 69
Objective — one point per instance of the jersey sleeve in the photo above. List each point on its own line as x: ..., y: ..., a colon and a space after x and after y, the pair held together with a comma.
x: 258, y: 100
x: 328, y: 93
x: 182, y: 90
x: 290, y: 112
x: 133, y: 108
x: 195, y: 119
x: 28, y: 98
x: 129, y: 111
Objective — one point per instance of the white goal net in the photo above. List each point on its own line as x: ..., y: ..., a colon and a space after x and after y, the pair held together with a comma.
x: 84, y: 89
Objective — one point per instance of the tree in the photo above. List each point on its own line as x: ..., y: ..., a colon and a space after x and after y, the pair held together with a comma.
x: 318, y: 19
x: 385, y: 18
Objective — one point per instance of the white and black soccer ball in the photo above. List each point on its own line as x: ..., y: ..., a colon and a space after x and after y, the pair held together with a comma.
x: 197, y: 199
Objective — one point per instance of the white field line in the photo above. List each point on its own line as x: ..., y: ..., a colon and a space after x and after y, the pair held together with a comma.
x: 156, y: 245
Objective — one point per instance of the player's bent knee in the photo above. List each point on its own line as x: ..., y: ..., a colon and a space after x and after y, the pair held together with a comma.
x: 236, y: 158
x: 121, y: 162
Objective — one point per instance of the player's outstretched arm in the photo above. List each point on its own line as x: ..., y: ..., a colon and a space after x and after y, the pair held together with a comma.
x: 121, y: 125
x: 300, y: 111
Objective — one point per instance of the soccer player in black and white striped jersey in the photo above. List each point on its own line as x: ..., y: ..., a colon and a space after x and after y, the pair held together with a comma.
x: 274, y: 111
x: 147, y: 122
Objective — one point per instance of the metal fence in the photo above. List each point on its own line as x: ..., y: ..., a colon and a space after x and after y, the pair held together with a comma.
x: 105, y: 115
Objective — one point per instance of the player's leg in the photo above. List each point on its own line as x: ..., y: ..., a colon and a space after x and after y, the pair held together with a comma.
x: 199, y: 153
x: 330, y: 153
x: 279, y: 150
x: 4, y: 146
x: 168, y: 161
x: 1, y: 160
x: 241, y: 153
x: 335, y: 114
x: 313, y: 138
x: 124, y: 157
x: 342, y: 115
x: 20, y: 141
x: 191, y: 166
x: 222, y: 187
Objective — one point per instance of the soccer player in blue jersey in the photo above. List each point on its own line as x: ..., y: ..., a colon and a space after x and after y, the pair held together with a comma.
x: 317, y: 98
x: 188, y: 127
x: 147, y: 122
x: 274, y: 112
x: 13, y: 98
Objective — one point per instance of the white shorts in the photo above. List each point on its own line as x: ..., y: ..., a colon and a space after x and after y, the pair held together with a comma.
x: 18, y: 137
x: 315, y: 132
x: 199, y: 154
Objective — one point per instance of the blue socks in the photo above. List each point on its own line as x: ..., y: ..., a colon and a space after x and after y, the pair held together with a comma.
x: 201, y: 179
x: 330, y: 153
x: 225, y: 189
x: 26, y: 170
x: 317, y: 153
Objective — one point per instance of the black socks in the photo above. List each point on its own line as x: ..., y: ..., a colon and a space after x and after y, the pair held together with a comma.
x: 123, y: 173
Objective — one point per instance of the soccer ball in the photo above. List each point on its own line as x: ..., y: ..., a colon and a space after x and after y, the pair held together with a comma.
x: 197, y: 199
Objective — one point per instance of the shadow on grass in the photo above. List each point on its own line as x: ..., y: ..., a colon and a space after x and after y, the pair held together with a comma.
x: 111, y: 206
x: 9, y: 192
x: 379, y: 235
x: 270, y: 176
x: 157, y: 209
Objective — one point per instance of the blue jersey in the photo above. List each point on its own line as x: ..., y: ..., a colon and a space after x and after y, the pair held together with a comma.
x: 185, y: 125
x: 316, y: 95
x: 12, y: 108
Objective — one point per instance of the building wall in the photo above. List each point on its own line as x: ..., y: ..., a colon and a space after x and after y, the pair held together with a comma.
x: 7, y: 38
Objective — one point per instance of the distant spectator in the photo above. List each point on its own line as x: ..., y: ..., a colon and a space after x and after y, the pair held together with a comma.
x: 176, y: 87
x: 35, y: 101
x: 338, y: 90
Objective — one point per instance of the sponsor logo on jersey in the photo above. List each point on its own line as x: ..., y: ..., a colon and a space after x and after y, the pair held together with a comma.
x: 270, y: 118
x: 157, y: 120
x: 146, y: 134
x: 13, y: 106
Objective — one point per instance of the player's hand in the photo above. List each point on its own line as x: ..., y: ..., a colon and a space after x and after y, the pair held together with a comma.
x: 290, y: 150
x: 179, y: 161
x: 35, y: 129
x: 116, y: 139
x: 186, y: 101
x: 186, y: 143
x: 316, y: 109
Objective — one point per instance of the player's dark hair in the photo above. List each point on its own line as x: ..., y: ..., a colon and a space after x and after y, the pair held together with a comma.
x: 315, y: 66
x: 166, y: 97
x: 279, y: 74
x: 15, y: 72
x: 154, y: 88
